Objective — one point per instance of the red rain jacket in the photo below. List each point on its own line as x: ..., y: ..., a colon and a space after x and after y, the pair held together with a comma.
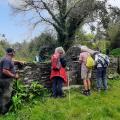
x: 57, y: 69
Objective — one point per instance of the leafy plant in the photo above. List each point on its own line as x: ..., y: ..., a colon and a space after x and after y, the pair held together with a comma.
x: 114, y: 76
x: 17, y: 101
x: 26, y: 93
x: 115, y: 52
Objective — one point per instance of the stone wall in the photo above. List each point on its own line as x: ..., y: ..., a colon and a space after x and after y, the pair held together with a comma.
x: 41, y: 71
x: 113, y: 65
x: 36, y: 72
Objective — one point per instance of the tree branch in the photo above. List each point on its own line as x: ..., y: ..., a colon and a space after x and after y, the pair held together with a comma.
x: 70, y: 9
x: 50, y: 12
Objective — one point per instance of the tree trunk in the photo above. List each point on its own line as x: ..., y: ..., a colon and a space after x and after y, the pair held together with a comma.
x: 65, y: 41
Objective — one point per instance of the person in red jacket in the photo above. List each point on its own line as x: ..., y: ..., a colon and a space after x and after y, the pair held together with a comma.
x: 58, y: 72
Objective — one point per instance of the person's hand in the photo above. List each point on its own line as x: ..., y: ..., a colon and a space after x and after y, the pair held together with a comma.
x: 16, y: 76
x: 56, y: 69
x: 67, y: 68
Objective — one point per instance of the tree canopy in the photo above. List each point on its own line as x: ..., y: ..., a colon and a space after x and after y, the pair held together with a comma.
x: 66, y: 16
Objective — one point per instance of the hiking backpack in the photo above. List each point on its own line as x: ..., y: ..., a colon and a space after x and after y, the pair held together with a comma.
x: 90, y: 62
x: 103, y: 60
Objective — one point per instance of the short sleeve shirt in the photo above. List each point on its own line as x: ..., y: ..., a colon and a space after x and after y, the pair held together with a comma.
x: 83, y: 59
x: 7, y: 64
x: 83, y: 56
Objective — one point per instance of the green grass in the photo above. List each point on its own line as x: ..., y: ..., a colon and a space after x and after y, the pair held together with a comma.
x: 98, y: 106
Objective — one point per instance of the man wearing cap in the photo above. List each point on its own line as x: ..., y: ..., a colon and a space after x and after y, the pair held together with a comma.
x: 7, y: 74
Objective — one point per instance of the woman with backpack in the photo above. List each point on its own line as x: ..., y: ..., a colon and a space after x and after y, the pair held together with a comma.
x: 85, y: 59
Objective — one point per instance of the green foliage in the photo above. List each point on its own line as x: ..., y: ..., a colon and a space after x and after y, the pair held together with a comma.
x: 114, y: 76
x: 3, y: 45
x: 90, y: 36
x: 22, y: 51
x: 88, y: 40
x: 84, y: 39
x: 26, y: 93
x: 26, y: 51
x: 16, y: 100
x: 98, y: 106
x: 102, y: 45
x: 115, y: 52
x: 37, y: 90
x: 2, y: 51
x: 45, y: 39
x: 114, y: 35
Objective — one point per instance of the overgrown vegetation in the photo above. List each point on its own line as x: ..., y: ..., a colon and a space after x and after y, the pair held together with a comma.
x: 23, y: 94
x: 3, y: 45
x: 45, y: 42
x: 116, y: 52
x: 1, y: 51
x: 26, y: 51
x: 31, y: 102
x: 98, y: 106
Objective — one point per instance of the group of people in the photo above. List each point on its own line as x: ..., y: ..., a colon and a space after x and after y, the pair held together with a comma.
x: 95, y: 59
x: 58, y: 74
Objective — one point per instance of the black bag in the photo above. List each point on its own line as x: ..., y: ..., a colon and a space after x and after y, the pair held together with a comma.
x: 63, y: 62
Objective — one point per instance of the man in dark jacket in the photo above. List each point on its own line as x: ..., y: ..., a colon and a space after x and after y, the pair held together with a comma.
x: 7, y: 74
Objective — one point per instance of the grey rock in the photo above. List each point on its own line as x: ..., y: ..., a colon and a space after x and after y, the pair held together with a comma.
x: 27, y: 67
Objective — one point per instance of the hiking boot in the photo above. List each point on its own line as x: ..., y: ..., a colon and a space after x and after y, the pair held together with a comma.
x: 53, y: 96
x: 62, y: 96
x: 88, y: 92
x: 85, y: 93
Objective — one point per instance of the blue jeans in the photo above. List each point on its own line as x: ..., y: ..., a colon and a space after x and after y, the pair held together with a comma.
x: 101, y: 78
x: 57, y: 86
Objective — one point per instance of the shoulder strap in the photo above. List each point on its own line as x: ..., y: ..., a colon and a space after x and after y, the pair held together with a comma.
x: 106, y: 62
x: 100, y: 62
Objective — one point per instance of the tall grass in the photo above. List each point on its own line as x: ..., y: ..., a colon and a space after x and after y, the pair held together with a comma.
x: 98, y: 106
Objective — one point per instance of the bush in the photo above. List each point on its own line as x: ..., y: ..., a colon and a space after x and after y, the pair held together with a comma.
x: 26, y: 93
x: 114, y: 76
x: 115, y: 52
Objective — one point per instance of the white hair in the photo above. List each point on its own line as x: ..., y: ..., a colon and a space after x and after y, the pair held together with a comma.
x: 59, y: 49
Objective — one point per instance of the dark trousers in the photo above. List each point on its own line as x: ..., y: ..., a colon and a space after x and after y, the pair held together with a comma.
x: 5, y: 94
x: 101, y: 78
x: 57, y: 86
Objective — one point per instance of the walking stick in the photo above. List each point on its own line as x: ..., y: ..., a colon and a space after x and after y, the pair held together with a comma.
x: 69, y: 87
